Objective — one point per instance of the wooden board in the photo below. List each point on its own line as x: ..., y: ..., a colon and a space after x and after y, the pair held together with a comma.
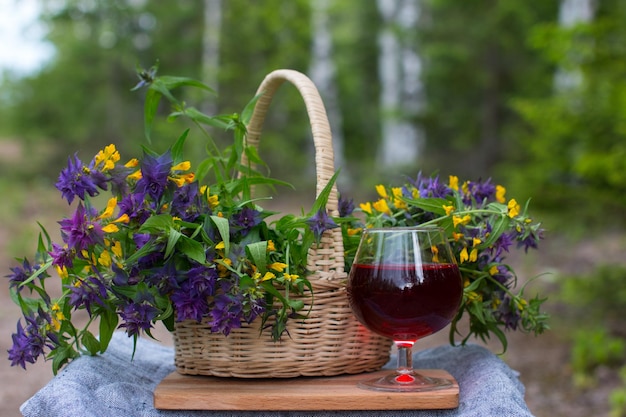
x: 184, y: 392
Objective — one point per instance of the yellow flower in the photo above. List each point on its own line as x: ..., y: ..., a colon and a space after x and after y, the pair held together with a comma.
x: 454, y: 182
x: 110, y: 228
x: 353, y: 232
x: 270, y: 246
x: 380, y: 189
x: 457, y: 220
x: 220, y: 245
x: 110, y: 208
x: 476, y: 241
x: 457, y: 236
x: 117, y: 249
x: 463, y: 256
x: 122, y: 219
x: 278, y: 266
x: 135, y: 175
x: 415, y: 193
x: 105, y: 259
x: 366, y: 207
x: 435, y: 250
x: 214, y: 201
x: 62, y: 271
x: 514, y: 208
x: 132, y: 163
x: 107, y: 158
x: 448, y: 208
x: 473, y: 256
x: 465, y: 187
x: 268, y: 276
x: 493, y: 270
x: 291, y: 277
x: 500, y: 192
x: 381, y: 206
x: 183, y: 166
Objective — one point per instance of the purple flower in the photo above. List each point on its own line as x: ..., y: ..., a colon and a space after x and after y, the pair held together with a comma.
x: 430, y: 187
x: 201, y: 280
x: 137, y: 317
x: 87, y: 293
x: 480, y: 191
x: 79, y: 232
x: 21, y: 351
x: 189, y: 305
x: 76, y: 180
x: 134, y: 205
x: 227, y: 314
x: 319, y: 223
x: 244, y: 220
x: 154, y: 175
x: 187, y: 202
x: 346, y: 207
x: 62, y: 256
x: 531, y: 240
x: 508, y: 313
x: 165, y: 278
x: 21, y: 273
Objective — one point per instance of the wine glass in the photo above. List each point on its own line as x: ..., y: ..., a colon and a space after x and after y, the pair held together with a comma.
x: 405, y: 284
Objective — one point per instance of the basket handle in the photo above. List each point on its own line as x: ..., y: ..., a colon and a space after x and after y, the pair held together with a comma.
x: 326, y: 258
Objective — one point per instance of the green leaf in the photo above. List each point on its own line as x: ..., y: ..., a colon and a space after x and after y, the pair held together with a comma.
x: 499, y: 227
x: 172, y: 239
x: 257, y: 251
x: 151, y: 106
x: 171, y: 82
x: 322, y: 198
x: 224, y: 229
x: 90, y: 343
x: 62, y: 355
x: 177, y: 148
x: 246, y: 114
x: 297, y: 305
x: 157, y: 224
x: 108, y: 324
x: 192, y: 249
x: 432, y: 205
x: 219, y: 122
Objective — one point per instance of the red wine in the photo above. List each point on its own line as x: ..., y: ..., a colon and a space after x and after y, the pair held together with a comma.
x: 392, y: 301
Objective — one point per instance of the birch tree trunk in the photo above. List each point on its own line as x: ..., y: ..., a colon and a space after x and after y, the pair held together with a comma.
x: 211, y: 49
x: 323, y: 72
x: 572, y: 12
x: 402, y: 92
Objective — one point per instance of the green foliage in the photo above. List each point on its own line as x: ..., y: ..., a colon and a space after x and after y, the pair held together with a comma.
x: 598, y: 298
x: 617, y: 397
x: 575, y: 144
x: 594, y: 347
x: 601, y: 295
x: 476, y: 60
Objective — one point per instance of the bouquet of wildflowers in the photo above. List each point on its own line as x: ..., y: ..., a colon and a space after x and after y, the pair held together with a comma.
x: 482, y: 226
x: 167, y: 245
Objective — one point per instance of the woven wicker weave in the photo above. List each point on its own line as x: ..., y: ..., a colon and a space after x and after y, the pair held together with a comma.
x: 330, y: 341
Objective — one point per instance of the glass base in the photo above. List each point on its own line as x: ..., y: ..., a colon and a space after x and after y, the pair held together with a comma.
x: 405, y: 382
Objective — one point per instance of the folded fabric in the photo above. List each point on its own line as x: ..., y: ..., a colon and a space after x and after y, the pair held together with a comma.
x: 114, y: 384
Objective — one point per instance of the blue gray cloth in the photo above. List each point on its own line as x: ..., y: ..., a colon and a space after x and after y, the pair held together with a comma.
x: 113, y: 385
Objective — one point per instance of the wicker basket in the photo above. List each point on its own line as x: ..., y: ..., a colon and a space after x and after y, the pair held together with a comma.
x: 330, y: 341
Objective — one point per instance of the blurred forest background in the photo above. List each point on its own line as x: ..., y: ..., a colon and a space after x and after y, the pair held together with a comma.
x: 532, y: 94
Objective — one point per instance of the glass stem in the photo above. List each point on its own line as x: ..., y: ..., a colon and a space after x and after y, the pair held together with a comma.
x: 405, y: 358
